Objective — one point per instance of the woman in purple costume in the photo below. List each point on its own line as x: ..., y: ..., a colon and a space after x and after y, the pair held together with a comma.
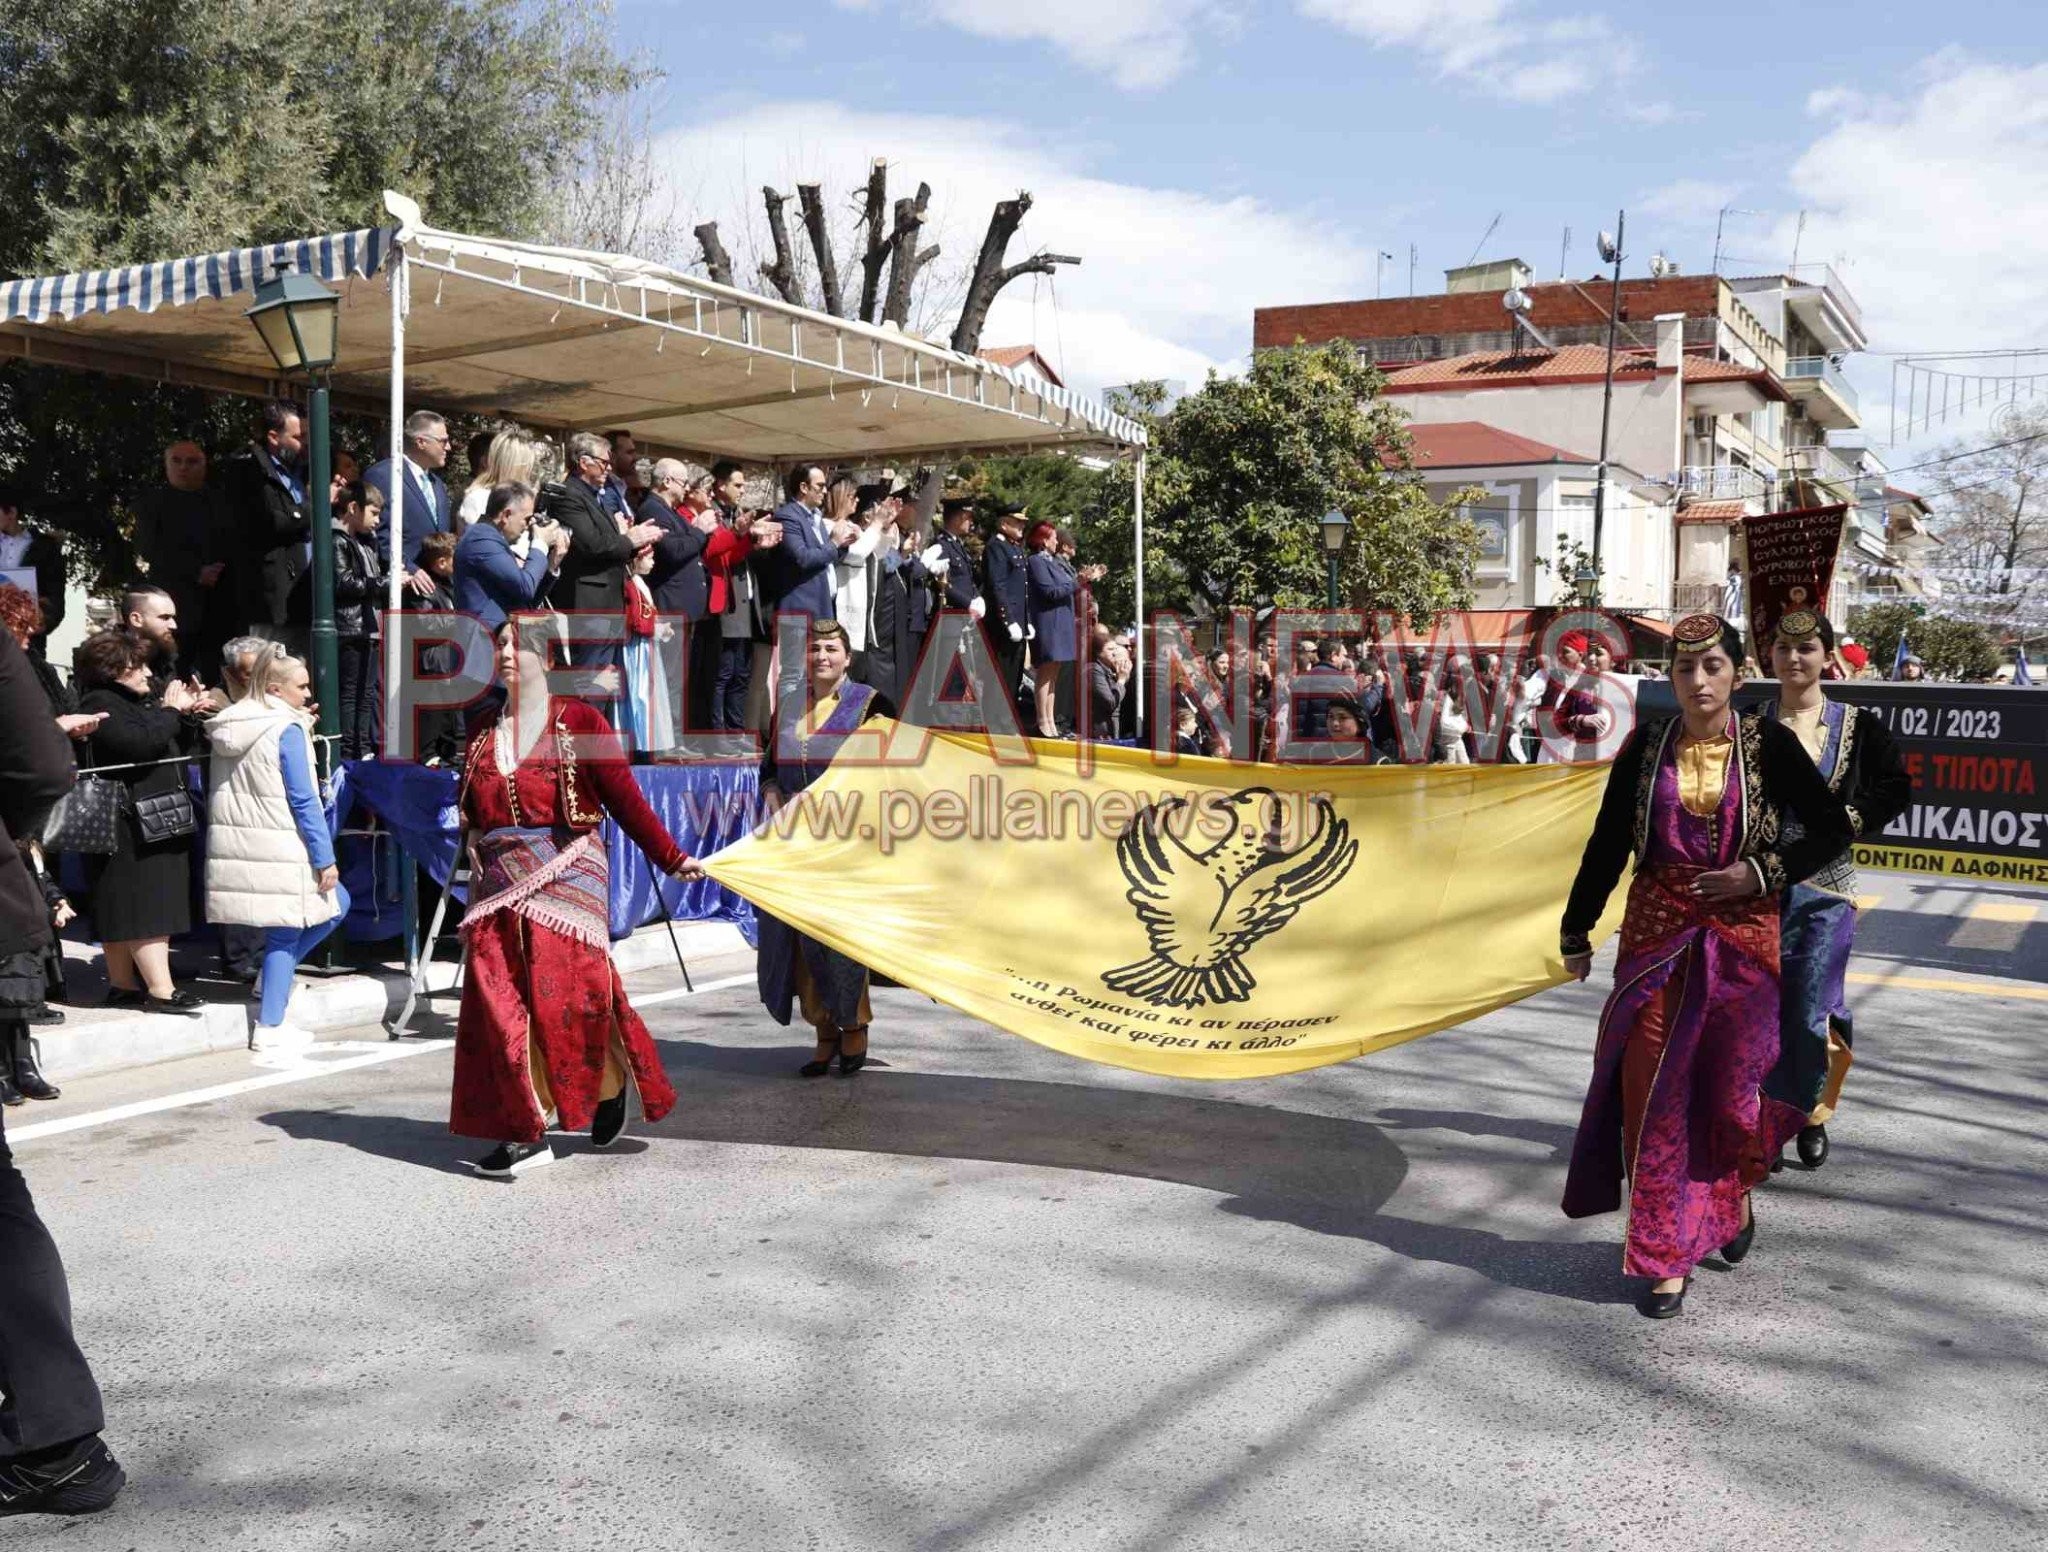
x: 1676, y: 1127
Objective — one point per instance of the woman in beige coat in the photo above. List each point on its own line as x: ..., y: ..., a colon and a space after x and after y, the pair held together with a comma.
x: 269, y: 855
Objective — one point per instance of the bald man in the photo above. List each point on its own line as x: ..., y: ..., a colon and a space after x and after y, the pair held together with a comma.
x: 184, y: 536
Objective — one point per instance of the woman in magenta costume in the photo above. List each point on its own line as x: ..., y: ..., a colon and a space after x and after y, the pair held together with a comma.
x: 1676, y: 1127
x: 545, y: 1030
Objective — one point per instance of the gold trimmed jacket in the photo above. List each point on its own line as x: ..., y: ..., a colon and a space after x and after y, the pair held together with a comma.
x: 1777, y: 779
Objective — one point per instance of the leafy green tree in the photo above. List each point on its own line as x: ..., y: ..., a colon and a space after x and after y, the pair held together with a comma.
x: 1239, y: 475
x: 1951, y: 649
x: 147, y: 129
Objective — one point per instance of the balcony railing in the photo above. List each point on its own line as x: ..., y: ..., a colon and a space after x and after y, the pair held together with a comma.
x: 1826, y: 465
x: 1822, y: 369
x: 1721, y: 482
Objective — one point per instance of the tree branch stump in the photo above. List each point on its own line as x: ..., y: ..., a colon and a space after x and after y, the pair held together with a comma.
x: 717, y: 262
x: 905, y: 259
x: 782, y: 273
x: 874, y: 213
x: 812, y: 197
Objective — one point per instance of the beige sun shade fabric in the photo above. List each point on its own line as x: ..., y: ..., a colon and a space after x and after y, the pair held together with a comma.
x: 582, y: 341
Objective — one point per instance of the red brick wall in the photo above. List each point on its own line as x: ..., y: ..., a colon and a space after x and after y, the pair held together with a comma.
x: 1473, y: 312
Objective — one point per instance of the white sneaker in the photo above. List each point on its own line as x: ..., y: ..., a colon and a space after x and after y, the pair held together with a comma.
x: 274, y: 1038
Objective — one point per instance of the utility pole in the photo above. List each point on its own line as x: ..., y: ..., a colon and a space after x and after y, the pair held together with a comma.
x: 1613, y: 254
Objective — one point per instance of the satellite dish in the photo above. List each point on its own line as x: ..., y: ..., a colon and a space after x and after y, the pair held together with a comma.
x: 1660, y: 266
x: 1516, y: 300
x: 1608, y: 251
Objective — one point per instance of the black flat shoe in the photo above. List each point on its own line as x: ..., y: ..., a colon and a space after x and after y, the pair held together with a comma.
x: 1738, y: 1247
x: 46, y: 1015
x: 1663, y: 1306
x: 608, y: 1121
x: 818, y: 1066
x: 1813, y: 1146
x: 181, y: 1002
x: 123, y: 997
x: 514, y: 1158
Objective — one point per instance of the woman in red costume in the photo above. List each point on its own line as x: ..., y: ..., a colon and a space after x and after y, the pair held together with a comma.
x: 545, y: 1029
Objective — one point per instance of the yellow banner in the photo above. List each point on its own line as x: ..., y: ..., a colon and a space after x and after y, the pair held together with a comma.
x: 1203, y: 920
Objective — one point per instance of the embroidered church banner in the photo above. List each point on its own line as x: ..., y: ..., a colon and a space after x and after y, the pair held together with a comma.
x: 1202, y: 920
x: 1791, y: 565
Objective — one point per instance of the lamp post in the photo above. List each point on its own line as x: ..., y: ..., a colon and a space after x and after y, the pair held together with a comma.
x: 297, y: 319
x: 1610, y: 251
x: 1335, y: 526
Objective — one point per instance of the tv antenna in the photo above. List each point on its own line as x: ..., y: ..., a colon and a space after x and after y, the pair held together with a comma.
x: 1490, y: 228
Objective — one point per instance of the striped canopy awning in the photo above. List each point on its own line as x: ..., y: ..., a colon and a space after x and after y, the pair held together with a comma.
x: 562, y: 340
x: 176, y: 282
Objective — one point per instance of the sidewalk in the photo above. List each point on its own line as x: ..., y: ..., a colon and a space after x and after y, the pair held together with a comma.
x: 92, y: 1040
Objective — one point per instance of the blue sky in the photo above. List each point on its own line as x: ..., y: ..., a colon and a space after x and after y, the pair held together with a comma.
x: 1208, y: 158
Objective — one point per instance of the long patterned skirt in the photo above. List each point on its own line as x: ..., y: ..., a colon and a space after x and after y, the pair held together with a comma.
x: 1675, y: 1111
x: 545, y: 1025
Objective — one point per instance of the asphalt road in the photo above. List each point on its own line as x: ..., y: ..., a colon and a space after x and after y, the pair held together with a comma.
x: 985, y: 1296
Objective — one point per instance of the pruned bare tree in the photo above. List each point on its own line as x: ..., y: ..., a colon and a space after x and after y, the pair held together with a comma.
x: 991, y: 274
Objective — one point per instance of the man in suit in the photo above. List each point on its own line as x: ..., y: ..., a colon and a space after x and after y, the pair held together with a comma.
x: 593, y: 574
x: 622, y: 494
x: 491, y: 581
x: 266, y: 492
x: 798, y: 577
x: 30, y: 549
x: 427, y: 508
x: 1007, y: 588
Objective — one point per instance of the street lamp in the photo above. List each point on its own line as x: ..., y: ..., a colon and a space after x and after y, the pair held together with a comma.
x: 1335, y: 526
x: 296, y: 317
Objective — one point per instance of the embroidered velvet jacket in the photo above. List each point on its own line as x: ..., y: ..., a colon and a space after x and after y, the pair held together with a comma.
x: 1777, y: 779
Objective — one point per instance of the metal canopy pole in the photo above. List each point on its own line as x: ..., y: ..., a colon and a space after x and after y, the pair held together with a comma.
x: 394, y: 598
x: 1139, y: 669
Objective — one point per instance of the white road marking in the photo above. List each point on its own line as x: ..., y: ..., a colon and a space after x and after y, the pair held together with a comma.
x: 325, y: 1058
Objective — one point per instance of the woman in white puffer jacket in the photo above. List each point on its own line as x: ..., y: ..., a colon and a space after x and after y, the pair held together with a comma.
x: 269, y: 856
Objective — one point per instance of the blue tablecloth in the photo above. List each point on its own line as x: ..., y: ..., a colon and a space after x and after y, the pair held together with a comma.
x: 704, y: 806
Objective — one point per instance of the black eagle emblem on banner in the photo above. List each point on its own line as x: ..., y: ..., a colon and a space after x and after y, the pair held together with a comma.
x: 1204, y: 910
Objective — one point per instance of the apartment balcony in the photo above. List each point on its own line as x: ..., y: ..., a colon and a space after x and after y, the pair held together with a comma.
x: 1721, y: 482
x: 1824, y: 466
x: 1826, y: 306
x: 1827, y: 396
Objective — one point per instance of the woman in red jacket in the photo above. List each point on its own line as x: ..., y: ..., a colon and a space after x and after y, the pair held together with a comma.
x: 545, y: 1029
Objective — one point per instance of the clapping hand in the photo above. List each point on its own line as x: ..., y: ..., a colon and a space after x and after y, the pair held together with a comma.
x: 766, y: 533
x: 642, y: 534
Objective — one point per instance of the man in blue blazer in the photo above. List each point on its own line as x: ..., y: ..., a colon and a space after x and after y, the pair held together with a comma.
x: 427, y: 508
x: 796, y: 576
x: 491, y: 581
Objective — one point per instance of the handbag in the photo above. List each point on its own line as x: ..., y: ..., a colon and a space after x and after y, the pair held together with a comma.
x: 166, y: 815
x: 87, y: 818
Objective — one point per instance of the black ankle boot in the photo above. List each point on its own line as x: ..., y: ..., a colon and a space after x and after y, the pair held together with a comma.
x: 28, y: 1078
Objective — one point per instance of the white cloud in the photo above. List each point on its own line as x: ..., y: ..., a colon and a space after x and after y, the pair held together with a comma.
x: 1935, y: 210
x: 1137, y: 44
x: 1491, y: 43
x: 1169, y: 277
x: 1687, y: 202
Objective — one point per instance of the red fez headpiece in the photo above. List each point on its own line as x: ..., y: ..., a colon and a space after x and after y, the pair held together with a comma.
x: 1573, y: 641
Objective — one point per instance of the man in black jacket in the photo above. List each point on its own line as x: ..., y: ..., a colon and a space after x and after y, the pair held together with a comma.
x: 593, y: 575
x: 52, y: 1460
x: 680, y: 506
x: 185, y: 535
x: 266, y: 491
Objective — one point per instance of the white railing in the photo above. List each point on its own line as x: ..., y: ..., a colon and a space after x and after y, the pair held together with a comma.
x: 1721, y: 482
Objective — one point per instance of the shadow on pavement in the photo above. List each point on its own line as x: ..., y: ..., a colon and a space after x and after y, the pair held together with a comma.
x: 409, y: 1140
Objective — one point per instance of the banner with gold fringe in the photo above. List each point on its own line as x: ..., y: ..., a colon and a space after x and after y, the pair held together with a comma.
x: 1203, y: 919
